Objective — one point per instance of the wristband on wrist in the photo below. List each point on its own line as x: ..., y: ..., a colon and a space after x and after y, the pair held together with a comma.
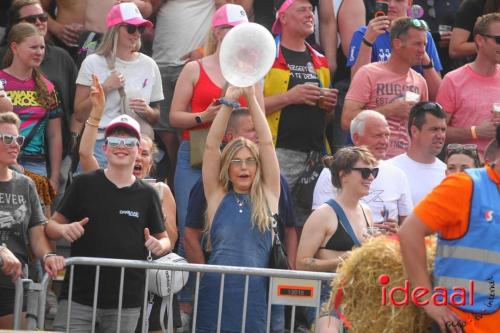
x: 46, y: 255
x: 429, y: 65
x: 473, y: 132
x: 231, y: 104
x: 94, y: 118
x: 92, y: 124
x: 367, y: 43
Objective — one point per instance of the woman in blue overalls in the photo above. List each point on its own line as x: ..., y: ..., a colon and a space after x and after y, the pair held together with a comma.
x: 242, y: 188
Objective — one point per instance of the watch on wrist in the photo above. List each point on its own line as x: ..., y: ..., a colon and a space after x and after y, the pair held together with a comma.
x: 46, y: 255
x: 429, y: 65
x: 198, y: 119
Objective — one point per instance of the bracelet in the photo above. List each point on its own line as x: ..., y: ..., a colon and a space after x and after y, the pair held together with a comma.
x: 92, y: 124
x: 231, y: 104
x: 473, y: 132
x: 367, y: 43
x: 46, y: 255
x: 94, y: 118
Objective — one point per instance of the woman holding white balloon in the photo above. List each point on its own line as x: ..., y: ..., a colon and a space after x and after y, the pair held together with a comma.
x: 196, y: 101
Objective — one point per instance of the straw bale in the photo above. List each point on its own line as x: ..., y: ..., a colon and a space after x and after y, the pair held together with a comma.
x: 362, y: 293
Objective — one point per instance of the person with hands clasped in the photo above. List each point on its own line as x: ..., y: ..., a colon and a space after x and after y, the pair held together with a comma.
x: 373, y: 43
x: 22, y: 220
x: 109, y: 213
x: 131, y: 80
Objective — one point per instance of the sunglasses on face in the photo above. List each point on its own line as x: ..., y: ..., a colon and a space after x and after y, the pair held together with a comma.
x: 131, y: 29
x: 9, y: 139
x: 114, y: 142
x: 496, y: 38
x: 457, y: 148
x: 366, y: 172
x: 239, y: 162
x: 32, y: 18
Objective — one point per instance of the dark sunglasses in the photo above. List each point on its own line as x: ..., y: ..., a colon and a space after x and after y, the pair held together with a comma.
x: 131, y: 29
x: 366, y: 172
x: 114, y: 141
x: 32, y: 18
x: 8, y: 139
x: 496, y: 38
x: 457, y: 148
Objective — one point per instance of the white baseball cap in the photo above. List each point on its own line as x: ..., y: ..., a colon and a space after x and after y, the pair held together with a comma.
x: 124, y: 121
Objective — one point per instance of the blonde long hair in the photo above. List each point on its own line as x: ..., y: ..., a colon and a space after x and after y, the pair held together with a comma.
x: 17, y: 35
x: 260, y: 210
x: 109, y: 43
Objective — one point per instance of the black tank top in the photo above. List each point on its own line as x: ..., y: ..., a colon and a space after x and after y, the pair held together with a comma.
x: 341, y: 240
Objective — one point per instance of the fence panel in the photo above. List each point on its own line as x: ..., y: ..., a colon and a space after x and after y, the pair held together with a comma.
x: 286, y: 287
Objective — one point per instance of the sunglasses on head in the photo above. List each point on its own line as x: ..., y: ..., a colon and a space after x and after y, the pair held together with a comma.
x: 114, y: 141
x: 131, y: 29
x: 366, y: 172
x: 9, y: 139
x: 496, y: 38
x: 414, y: 23
x: 457, y: 148
x: 44, y: 17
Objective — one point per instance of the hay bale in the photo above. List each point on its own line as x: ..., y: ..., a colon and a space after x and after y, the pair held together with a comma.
x: 362, y: 293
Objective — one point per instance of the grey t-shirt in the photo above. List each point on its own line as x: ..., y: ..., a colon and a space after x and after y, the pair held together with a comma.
x: 20, y: 210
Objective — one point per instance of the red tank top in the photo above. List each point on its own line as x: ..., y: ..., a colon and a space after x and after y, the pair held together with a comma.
x: 205, y: 91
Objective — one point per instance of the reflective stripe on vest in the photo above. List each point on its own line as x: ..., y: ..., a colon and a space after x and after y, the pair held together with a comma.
x: 475, y: 256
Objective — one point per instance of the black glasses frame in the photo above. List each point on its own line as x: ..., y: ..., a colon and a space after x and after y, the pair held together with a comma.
x: 496, y: 38
x: 131, y: 29
x: 366, y: 172
x: 44, y: 17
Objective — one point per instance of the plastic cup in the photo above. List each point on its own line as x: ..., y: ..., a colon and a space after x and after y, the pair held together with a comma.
x: 442, y: 29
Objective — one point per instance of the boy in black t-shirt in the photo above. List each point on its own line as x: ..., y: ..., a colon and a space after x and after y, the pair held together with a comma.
x: 117, y: 216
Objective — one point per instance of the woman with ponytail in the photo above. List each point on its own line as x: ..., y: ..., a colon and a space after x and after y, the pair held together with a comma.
x: 34, y: 100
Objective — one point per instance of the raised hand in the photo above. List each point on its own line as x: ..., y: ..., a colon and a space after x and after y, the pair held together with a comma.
x: 73, y: 231
x: 97, y: 97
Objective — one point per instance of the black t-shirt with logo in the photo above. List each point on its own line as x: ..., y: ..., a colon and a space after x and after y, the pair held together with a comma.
x: 117, y: 218
x: 301, y: 126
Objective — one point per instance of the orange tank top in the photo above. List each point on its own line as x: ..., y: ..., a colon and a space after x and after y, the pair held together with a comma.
x: 205, y: 91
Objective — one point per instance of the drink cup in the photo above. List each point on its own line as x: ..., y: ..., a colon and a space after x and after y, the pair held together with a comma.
x: 321, y: 100
x: 133, y: 93
x: 442, y: 29
x: 496, y: 111
x: 410, y: 96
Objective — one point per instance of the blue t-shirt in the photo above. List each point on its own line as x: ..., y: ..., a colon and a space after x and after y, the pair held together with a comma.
x: 381, y: 50
x: 197, y: 205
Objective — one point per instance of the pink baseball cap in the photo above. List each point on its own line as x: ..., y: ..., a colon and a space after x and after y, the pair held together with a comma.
x: 126, y: 12
x: 229, y: 14
x: 124, y: 121
x: 276, y: 29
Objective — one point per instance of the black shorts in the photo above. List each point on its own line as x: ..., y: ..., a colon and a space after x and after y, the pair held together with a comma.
x: 7, y: 298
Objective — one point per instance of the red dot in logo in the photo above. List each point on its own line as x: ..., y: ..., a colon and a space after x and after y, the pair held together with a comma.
x: 384, y: 279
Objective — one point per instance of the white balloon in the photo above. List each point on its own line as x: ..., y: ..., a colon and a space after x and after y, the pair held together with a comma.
x: 247, y: 53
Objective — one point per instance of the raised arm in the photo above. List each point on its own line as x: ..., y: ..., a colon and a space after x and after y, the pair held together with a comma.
x: 212, y: 155
x: 328, y: 33
x: 89, y: 135
x: 270, y: 166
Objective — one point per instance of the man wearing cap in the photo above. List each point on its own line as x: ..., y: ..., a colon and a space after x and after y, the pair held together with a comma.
x: 464, y: 210
x: 297, y: 98
x: 372, y: 43
x: 392, y: 87
x: 109, y: 213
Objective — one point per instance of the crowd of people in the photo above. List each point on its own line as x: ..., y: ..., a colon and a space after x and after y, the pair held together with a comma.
x: 120, y: 136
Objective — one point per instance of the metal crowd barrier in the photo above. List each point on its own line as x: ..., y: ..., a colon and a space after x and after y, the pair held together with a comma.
x: 286, y: 287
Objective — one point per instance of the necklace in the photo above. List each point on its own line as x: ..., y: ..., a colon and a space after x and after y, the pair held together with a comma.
x: 240, y: 202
